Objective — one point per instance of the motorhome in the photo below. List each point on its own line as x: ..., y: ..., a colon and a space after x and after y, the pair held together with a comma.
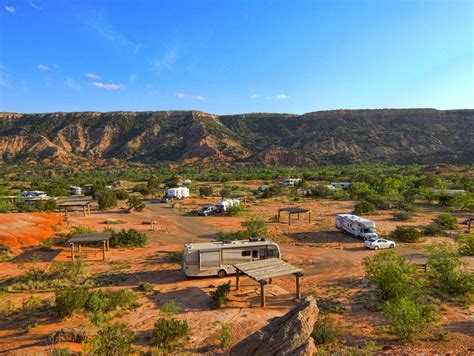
x: 450, y: 192
x: 218, y: 258
x: 356, y: 226
x: 223, y: 205
x: 178, y: 193
x: 290, y: 182
x: 343, y: 185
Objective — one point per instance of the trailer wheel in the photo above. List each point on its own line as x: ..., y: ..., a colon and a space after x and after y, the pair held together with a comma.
x: 376, y: 248
x: 221, y: 273
x: 392, y: 246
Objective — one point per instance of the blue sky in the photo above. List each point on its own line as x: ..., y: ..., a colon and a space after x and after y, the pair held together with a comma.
x: 226, y: 56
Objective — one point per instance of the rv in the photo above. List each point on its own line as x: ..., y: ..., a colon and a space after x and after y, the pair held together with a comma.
x: 38, y: 194
x: 343, y: 185
x: 218, y: 258
x: 290, y: 182
x: 73, y: 190
x: 450, y: 192
x: 356, y: 226
x: 178, y: 193
x: 223, y: 205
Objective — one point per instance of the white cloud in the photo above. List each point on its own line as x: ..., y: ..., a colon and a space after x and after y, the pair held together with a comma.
x: 195, y: 97
x: 92, y: 76
x: 10, y: 9
x: 34, y: 6
x: 72, y: 84
x: 133, y: 77
x: 282, y: 97
x: 164, y: 63
x: 43, y: 67
x: 107, y: 86
x: 254, y: 96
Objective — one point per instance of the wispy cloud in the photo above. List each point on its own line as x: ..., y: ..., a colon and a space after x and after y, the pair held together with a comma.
x: 92, y: 76
x: 164, y: 63
x: 195, y: 97
x: 254, y: 96
x: 72, y: 84
x: 133, y: 77
x: 108, y: 86
x: 99, y: 23
x: 34, y: 6
x: 43, y: 67
x: 10, y: 9
x: 282, y: 97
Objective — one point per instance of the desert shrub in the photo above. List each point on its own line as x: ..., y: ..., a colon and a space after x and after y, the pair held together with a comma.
x: 360, y: 190
x: 433, y: 229
x: 219, y: 296
x: 6, y: 253
x: 379, y: 201
x: 225, y: 191
x: 406, y: 234
x: 46, y: 205
x: 79, y: 230
x: 170, y: 308
x: 364, y: 207
x: 169, y: 333
x: 5, y: 206
x: 272, y: 191
x: 128, y: 238
x: 446, y: 221
x: 448, y: 273
x: 121, y: 194
x: 402, y: 215
x: 47, y: 244
x: 153, y: 182
x: 59, y: 352
x: 176, y: 256
x: 325, y: 330
x: 107, y: 199
x: 142, y: 189
x: 393, y: 275
x: 255, y: 227
x: 146, y: 287
x: 112, y: 340
x: 320, y: 191
x: 410, y: 208
x: 136, y: 203
x: 234, y: 210
x: 465, y: 244
x: 225, y: 336
x: 205, y: 191
x: 407, y: 318
x: 74, y: 271
x: 446, y: 200
x: 68, y: 301
x: 340, y: 194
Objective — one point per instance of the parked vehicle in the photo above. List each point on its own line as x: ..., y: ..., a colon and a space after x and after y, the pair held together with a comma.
x: 263, y: 188
x: 73, y: 190
x: 356, y: 226
x: 450, y: 192
x: 178, y: 193
x: 207, y: 210
x: 343, y: 185
x: 223, y: 205
x: 376, y: 243
x: 290, y: 182
x: 218, y: 258
x: 33, y: 194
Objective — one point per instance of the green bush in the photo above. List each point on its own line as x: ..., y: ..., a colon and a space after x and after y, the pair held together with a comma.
x: 448, y: 273
x: 176, y: 256
x: 234, y: 210
x: 68, y: 301
x: 254, y: 227
x: 402, y: 215
x: 169, y: 333
x: 146, y: 287
x: 466, y: 244
x: 46, y: 205
x: 107, y: 199
x: 408, y: 319
x: 170, y: 308
x: 320, y: 191
x: 5, y: 206
x: 406, y: 234
x: 325, y: 330
x: 47, y: 244
x: 393, y: 275
x: 433, y: 230
x: 446, y: 221
x: 219, y: 296
x: 364, y: 207
x: 6, y: 253
x: 153, y: 182
x: 272, y: 191
x: 410, y: 208
x: 113, y: 340
x: 136, y: 203
x: 121, y: 194
x: 205, y: 191
x: 225, y: 336
x: 142, y: 189
x: 128, y: 238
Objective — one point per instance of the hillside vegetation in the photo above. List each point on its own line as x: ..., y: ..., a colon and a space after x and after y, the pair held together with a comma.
x: 339, y: 137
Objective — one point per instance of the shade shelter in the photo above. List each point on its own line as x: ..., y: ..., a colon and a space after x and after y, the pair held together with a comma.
x: 85, y: 205
x: 470, y: 221
x: 263, y: 271
x: 293, y: 211
x: 234, y: 196
x: 88, y: 238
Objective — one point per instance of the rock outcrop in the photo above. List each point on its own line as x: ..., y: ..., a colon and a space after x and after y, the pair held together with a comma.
x: 287, y: 335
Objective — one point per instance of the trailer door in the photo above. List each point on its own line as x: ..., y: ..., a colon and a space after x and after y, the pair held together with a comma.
x: 210, y: 259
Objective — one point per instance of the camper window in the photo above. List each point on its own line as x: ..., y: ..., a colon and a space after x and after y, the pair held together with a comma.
x: 254, y: 254
x: 245, y: 253
x: 272, y: 253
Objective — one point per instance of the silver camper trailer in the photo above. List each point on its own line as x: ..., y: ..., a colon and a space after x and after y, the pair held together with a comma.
x: 216, y: 258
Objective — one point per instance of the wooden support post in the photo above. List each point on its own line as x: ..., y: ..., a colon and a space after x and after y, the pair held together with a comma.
x: 278, y: 215
x: 108, y: 245
x: 153, y: 225
x: 84, y: 210
x: 79, y: 248
x: 270, y: 281
x: 88, y: 209
x: 298, y: 288
x: 309, y: 218
x: 298, y: 216
x: 262, y: 293
x: 72, y: 252
x: 289, y: 218
x: 237, y: 280
x: 103, y: 250
x: 65, y: 211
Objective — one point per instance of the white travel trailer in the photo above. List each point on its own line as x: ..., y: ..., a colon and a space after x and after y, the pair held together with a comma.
x: 343, y: 185
x: 33, y: 194
x: 178, y: 193
x: 356, y: 226
x: 290, y: 182
x: 73, y: 190
x: 450, y: 192
x: 217, y: 258
x: 223, y: 205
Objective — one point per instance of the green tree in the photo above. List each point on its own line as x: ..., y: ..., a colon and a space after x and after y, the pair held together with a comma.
x: 205, y: 191
x: 113, y: 340
x: 406, y: 234
x: 466, y: 244
x: 364, y: 207
x: 136, y: 203
x: 107, y: 199
x: 446, y: 221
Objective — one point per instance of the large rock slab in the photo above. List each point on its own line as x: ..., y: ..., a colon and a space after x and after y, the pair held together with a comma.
x: 287, y: 335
